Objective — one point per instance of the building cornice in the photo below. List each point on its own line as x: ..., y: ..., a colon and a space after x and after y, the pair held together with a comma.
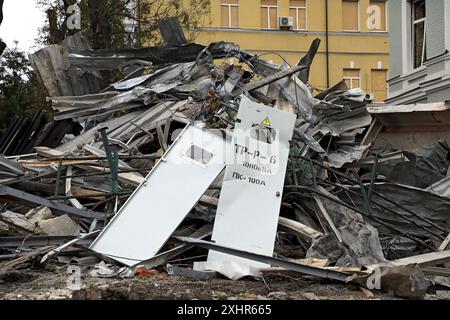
x: 437, y: 85
x: 404, y: 97
x: 319, y: 52
x: 421, y: 90
x: 414, y: 74
x: 297, y: 32
x: 420, y: 72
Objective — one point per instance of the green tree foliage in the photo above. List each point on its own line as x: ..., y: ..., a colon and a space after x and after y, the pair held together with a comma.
x: 20, y: 92
x: 120, y: 23
x: 190, y: 13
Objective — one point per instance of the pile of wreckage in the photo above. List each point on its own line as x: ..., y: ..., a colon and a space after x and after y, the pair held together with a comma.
x: 215, y: 158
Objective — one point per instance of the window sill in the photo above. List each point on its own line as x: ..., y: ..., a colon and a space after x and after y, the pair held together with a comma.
x: 414, y: 71
x: 410, y: 76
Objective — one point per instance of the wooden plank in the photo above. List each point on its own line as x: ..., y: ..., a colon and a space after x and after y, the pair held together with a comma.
x: 313, y: 262
x: 73, y: 201
x: 432, y: 258
x: 444, y: 243
x: 125, y: 177
x: 17, y: 222
x: 23, y: 258
x: 427, y: 259
x: 319, y: 263
x: 298, y: 228
x: 372, y: 133
x: 367, y: 293
x: 437, y: 271
x: 100, y: 153
x: 207, y: 200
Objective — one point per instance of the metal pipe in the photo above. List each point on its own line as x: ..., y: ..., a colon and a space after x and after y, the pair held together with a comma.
x: 89, y: 158
x: 91, y: 195
x: 113, y: 160
x: 99, y: 174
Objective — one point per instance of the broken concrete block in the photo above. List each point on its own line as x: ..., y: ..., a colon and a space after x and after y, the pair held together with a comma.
x: 59, y: 226
x: 19, y: 220
x: 4, y: 229
x: 42, y: 214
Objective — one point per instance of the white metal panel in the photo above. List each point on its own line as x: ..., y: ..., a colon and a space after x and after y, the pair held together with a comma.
x: 249, y: 205
x: 160, y: 204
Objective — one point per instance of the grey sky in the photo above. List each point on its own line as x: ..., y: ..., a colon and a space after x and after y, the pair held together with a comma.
x: 21, y: 22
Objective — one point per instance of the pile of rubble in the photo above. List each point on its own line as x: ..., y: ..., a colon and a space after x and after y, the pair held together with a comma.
x: 215, y: 158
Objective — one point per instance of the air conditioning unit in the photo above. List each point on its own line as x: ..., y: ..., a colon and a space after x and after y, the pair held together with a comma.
x: 369, y: 97
x: 286, y: 22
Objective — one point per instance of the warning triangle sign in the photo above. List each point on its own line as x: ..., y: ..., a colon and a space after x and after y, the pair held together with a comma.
x: 266, y: 122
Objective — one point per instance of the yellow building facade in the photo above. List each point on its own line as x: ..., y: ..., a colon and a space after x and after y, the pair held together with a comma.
x: 354, y: 36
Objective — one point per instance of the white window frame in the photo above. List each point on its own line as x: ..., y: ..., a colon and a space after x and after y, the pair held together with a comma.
x: 268, y: 7
x: 351, y: 79
x: 229, y: 6
x: 359, y: 19
x: 386, y: 9
x: 297, y: 9
x: 413, y: 40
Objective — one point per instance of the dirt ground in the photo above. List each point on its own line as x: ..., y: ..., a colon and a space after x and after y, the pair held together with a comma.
x: 53, y: 285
